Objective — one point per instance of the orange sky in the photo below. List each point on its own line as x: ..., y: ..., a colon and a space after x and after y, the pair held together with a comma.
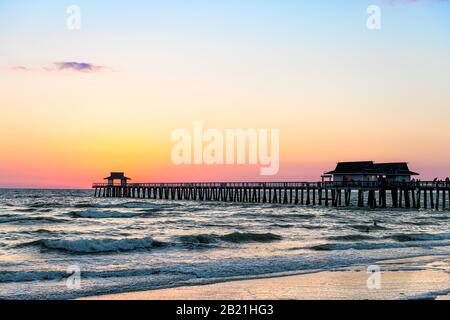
x: 336, y: 92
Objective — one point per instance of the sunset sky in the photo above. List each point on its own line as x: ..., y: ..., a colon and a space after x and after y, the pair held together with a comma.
x: 77, y: 104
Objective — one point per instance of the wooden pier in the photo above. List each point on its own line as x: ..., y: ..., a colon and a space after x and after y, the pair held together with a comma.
x: 417, y: 194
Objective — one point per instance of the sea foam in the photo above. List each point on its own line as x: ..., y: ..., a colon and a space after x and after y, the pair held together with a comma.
x: 98, y: 245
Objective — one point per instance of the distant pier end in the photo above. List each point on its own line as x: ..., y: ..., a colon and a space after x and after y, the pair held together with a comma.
x: 117, y: 177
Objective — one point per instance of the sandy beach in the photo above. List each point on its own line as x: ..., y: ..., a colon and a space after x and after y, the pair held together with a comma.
x: 430, y: 281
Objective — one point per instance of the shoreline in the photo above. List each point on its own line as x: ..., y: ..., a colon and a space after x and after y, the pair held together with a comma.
x: 429, y: 281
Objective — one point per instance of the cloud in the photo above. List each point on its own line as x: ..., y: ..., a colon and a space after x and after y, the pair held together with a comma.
x: 61, y: 66
x: 18, y: 68
x: 76, y: 66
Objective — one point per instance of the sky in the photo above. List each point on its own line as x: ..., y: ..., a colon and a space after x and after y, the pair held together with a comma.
x: 78, y: 104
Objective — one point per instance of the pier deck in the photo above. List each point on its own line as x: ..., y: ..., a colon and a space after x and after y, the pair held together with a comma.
x: 417, y: 194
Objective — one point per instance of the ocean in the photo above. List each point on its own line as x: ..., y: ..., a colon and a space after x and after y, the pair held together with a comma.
x: 49, y: 238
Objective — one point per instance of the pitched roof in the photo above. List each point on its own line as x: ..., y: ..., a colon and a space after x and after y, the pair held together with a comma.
x: 356, y: 167
x: 394, y: 168
x: 117, y: 176
x: 369, y: 167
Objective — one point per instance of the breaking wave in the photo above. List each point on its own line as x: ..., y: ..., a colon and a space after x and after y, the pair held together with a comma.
x: 89, y: 246
x: 86, y: 246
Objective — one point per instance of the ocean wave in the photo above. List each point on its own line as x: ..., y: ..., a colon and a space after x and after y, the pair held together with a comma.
x: 45, y: 231
x: 45, y: 205
x: 24, y: 219
x: 146, y: 205
x: 26, y: 209
x: 145, y: 277
x: 374, y: 245
x: 149, y: 211
x: 238, y: 237
x: 365, y: 228
x: 84, y: 205
x: 283, y: 226
x: 127, y: 205
x: 200, y: 239
x: 313, y: 227
x: 56, y: 275
x: 440, y: 217
x: 87, y: 246
x: 5, y: 216
x: 235, y: 237
x: 25, y: 276
x: 350, y: 237
x: 420, y: 223
x: 30, y: 210
x: 102, y: 214
x: 292, y: 216
x: 411, y: 237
